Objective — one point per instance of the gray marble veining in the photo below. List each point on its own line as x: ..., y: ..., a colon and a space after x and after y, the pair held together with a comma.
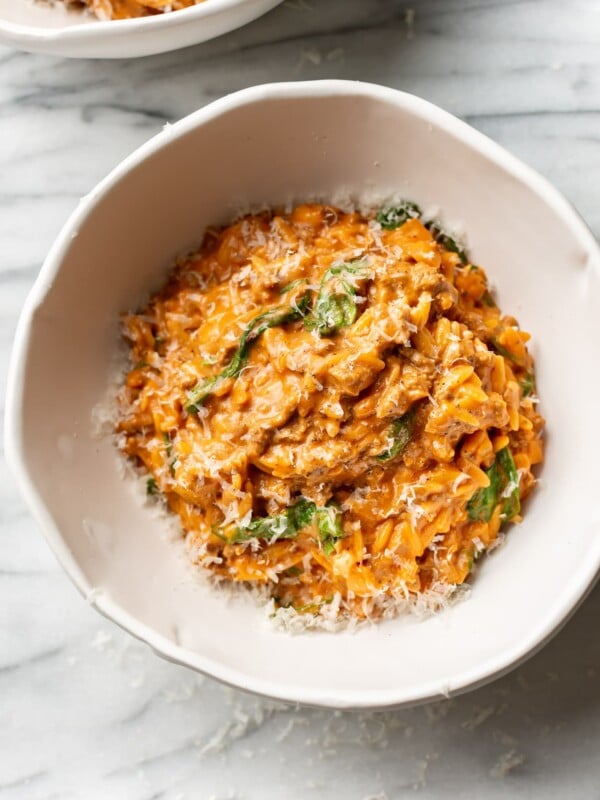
x: 85, y: 712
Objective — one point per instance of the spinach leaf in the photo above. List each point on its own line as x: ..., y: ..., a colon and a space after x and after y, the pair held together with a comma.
x: 169, y: 453
x: 267, y: 528
x: 504, y: 478
x: 269, y: 319
x: 481, y: 506
x: 332, y: 312
x: 335, y: 306
x: 293, y: 572
x: 447, y: 241
x: 301, y: 513
x: 280, y: 526
x: 503, y: 351
x: 301, y: 609
x: 400, y: 433
x: 329, y: 525
x: 395, y: 216
x: 289, y: 524
x: 528, y: 384
x: 511, y: 496
x: 292, y: 285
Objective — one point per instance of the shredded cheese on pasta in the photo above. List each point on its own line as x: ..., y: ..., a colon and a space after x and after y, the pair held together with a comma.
x: 334, y: 406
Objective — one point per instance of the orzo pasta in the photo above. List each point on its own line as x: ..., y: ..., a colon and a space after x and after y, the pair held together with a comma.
x: 334, y: 406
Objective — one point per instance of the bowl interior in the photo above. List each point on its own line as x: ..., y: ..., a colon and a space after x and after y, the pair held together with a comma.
x: 281, y: 145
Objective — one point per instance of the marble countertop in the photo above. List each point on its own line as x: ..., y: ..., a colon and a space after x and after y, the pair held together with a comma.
x: 85, y: 711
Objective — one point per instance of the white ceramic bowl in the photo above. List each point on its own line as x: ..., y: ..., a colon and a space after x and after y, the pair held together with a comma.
x: 42, y: 27
x: 273, y: 144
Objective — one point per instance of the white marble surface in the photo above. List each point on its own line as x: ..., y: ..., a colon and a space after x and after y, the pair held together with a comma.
x: 85, y: 712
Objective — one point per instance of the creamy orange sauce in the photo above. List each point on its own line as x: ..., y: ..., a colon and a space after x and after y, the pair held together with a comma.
x: 374, y: 406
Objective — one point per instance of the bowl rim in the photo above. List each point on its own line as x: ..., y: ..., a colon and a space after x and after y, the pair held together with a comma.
x: 575, y: 589
x: 98, y: 30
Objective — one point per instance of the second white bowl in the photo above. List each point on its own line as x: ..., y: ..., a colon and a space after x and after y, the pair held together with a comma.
x: 42, y: 27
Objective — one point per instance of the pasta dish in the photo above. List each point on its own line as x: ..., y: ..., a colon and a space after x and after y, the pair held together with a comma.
x: 334, y: 406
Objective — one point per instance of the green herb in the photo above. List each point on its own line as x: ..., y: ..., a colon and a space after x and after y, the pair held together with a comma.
x: 169, y: 453
x: 269, y: 319
x: 329, y: 525
x: 332, y: 312
x: 311, y: 606
x: 473, y: 267
x: 303, y: 609
x: 158, y: 340
x: 400, y: 432
x: 293, y: 572
x: 481, y: 506
x: 395, y: 216
x: 280, y: 526
x: 289, y: 286
x: 289, y: 524
x: 314, y: 606
x: 266, y: 528
x: 301, y: 513
x: 528, y: 384
x: 201, y: 391
x: 512, y: 501
x: 335, y: 306
x: 502, y: 351
x: 151, y: 486
x: 447, y: 241
x: 141, y: 365
x: 503, y: 475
